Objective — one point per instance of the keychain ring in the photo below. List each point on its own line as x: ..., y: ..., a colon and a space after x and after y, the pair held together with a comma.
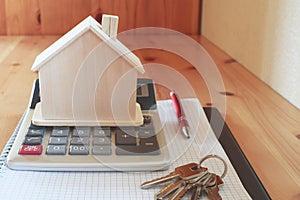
x: 218, y: 157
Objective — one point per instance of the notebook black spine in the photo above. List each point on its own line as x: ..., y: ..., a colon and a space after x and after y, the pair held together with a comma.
x: 236, y: 156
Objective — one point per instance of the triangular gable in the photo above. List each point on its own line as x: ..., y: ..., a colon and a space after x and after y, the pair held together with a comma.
x: 87, y: 24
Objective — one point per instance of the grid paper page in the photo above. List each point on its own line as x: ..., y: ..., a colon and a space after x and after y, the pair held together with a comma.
x: 126, y: 185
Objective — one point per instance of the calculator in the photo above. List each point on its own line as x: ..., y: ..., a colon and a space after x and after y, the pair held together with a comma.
x: 93, y: 148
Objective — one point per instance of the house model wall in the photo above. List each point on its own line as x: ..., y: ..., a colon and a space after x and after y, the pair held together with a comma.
x: 88, y: 76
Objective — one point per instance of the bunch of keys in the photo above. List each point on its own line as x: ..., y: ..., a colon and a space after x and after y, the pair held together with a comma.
x: 190, y: 177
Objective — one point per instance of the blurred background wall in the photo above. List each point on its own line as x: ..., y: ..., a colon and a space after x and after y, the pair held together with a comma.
x: 262, y: 35
x: 46, y: 17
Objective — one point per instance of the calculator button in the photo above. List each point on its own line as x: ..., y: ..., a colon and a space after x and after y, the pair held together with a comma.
x: 60, y: 132
x: 146, y: 133
x: 102, y: 141
x: 101, y: 132
x: 148, y: 123
x: 58, y: 140
x: 147, y: 120
x: 81, y: 132
x: 36, y: 132
x: 148, y: 146
x: 79, y: 150
x: 56, y: 149
x: 32, y: 140
x: 32, y: 126
x: 80, y: 140
x: 134, y: 150
x: 102, y: 150
x: 31, y: 149
x: 125, y: 137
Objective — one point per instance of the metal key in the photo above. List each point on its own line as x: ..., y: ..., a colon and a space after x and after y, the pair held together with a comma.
x: 197, y: 191
x: 189, y: 184
x: 199, y: 186
x: 184, y: 172
x: 181, y: 186
x: 212, y: 188
x: 169, y: 189
x: 180, y: 192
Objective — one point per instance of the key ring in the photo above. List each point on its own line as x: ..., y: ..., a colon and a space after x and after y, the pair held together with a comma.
x: 218, y: 157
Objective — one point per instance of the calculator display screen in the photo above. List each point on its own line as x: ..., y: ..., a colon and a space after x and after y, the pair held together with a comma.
x: 142, y: 91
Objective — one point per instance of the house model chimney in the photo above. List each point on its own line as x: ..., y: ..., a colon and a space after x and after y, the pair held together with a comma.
x: 110, y: 25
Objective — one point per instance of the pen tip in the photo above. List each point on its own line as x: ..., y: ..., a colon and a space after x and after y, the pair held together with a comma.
x: 186, y: 132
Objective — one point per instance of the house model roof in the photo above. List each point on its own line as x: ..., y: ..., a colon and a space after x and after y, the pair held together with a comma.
x: 88, y: 24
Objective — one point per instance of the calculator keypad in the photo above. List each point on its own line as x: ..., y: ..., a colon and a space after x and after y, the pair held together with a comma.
x: 92, y: 140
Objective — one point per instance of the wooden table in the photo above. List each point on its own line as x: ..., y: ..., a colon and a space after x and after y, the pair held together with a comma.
x: 266, y: 126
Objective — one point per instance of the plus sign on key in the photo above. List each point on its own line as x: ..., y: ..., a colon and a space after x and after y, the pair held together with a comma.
x: 31, y: 150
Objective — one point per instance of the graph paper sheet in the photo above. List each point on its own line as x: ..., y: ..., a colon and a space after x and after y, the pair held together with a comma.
x: 126, y: 185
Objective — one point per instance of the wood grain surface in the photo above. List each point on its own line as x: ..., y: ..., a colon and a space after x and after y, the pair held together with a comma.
x: 265, y: 125
x: 34, y: 17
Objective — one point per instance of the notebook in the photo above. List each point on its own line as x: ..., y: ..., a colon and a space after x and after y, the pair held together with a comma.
x: 126, y: 185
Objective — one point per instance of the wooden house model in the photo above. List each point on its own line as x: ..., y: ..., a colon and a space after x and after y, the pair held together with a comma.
x: 88, y: 77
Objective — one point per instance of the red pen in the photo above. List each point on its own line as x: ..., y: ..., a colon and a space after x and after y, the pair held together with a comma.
x: 183, y: 123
